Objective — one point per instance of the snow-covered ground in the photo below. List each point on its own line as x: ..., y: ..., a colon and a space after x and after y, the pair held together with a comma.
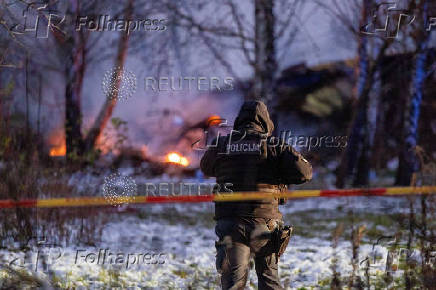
x: 184, y: 253
x: 172, y: 246
x: 188, y: 258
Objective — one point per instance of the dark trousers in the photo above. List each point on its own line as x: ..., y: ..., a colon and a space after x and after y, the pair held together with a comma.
x: 239, y: 240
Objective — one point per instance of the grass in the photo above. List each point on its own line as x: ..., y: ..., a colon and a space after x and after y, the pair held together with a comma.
x: 319, y: 223
x: 311, y: 223
x: 173, y: 216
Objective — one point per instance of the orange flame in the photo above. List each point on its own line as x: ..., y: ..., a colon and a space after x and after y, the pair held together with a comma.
x: 176, y: 158
x: 214, y: 120
x: 58, y: 151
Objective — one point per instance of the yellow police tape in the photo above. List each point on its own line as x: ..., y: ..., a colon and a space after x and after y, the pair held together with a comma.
x: 220, y: 197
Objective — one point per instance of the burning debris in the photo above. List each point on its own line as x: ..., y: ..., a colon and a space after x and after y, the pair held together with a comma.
x: 214, y: 120
x: 58, y: 151
x: 56, y: 142
x: 176, y: 158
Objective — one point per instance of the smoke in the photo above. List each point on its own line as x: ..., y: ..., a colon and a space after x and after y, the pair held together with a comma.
x: 168, y: 123
x: 163, y: 121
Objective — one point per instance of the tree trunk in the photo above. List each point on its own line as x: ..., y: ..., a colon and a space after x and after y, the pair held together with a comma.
x: 38, y: 112
x: 74, y: 71
x: 73, y: 115
x: 380, y: 125
x: 26, y: 74
x: 265, y: 61
x: 356, y: 131
x: 109, y: 105
x: 364, y: 154
x: 408, y: 163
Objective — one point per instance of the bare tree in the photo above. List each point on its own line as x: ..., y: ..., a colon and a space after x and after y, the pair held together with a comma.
x: 265, y: 65
x: 109, y: 105
x: 355, y: 159
x: 74, y: 45
x: 408, y: 162
x: 71, y: 47
x: 256, y: 41
x: 377, y: 33
x: 75, y: 51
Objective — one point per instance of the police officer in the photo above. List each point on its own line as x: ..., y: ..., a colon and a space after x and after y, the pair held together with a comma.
x: 250, y: 159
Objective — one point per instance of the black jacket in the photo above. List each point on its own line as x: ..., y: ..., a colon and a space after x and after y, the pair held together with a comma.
x: 251, y: 160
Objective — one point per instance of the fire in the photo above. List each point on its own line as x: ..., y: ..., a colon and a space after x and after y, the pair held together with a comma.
x: 56, y: 142
x: 214, y: 120
x: 174, y: 157
x: 58, y: 151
